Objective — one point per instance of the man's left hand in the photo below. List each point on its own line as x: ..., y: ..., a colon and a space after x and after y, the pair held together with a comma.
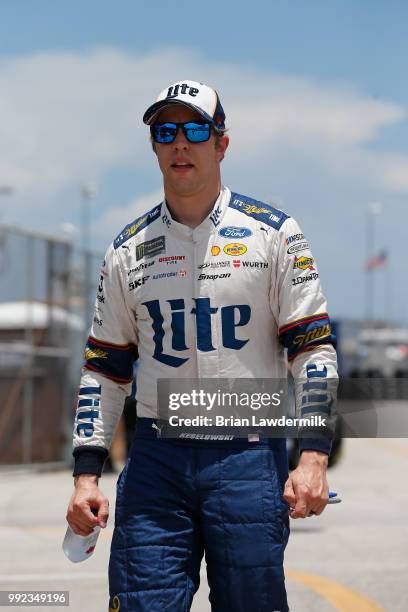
x: 307, y: 490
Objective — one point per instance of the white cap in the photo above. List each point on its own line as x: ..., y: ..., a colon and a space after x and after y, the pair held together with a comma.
x: 201, y: 98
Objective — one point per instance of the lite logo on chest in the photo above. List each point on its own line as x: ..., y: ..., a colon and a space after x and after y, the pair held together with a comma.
x: 233, y: 316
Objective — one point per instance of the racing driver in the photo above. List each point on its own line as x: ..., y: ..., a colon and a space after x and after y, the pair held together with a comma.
x: 208, y: 283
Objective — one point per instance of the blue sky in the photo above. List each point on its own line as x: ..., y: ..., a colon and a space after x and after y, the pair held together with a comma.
x: 337, y: 39
x: 327, y: 79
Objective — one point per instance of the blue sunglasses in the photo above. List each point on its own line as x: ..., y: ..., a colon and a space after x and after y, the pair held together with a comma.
x: 194, y: 131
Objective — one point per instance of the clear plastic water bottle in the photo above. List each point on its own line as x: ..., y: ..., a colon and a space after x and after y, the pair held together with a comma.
x: 78, y: 548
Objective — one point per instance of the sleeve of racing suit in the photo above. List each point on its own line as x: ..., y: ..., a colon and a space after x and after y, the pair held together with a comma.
x: 300, y: 309
x: 107, y: 372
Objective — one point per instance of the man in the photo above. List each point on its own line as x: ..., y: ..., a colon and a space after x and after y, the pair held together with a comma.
x: 194, y: 302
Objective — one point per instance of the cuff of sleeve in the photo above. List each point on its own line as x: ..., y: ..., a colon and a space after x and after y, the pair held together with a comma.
x: 89, y: 460
x: 323, y: 446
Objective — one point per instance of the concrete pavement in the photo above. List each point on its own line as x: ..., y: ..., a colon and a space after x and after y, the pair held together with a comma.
x: 353, y: 557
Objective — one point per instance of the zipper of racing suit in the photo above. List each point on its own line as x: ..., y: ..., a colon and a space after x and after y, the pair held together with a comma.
x: 195, y: 295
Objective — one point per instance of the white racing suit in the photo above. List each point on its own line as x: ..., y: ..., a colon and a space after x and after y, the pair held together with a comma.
x: 222, y: 300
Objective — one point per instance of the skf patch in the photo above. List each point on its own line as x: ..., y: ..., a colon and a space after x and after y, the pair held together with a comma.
x: 138, y: 283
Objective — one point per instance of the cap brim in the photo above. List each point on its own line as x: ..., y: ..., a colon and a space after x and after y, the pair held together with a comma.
x: 152, y: 111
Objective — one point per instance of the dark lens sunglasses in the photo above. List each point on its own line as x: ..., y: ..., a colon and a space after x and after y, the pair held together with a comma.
x: 194, y: 131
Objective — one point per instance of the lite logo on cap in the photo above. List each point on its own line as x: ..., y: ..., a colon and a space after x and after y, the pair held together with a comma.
x: 173, y: 91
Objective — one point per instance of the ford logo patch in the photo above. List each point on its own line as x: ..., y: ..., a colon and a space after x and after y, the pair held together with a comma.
x: 234, y: 232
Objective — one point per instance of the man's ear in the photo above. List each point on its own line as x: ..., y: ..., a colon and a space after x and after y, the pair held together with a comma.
x: 222, y: 146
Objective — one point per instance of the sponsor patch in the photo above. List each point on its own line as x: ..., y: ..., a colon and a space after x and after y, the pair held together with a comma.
x: 137, y: 283
x: 166, y: 220
x: 251, y: 209
x: 214, y: 276
x: 295, y: 248
x: 235, y: 249
x: 150, y: 248
x: 294, y: 238
x: 141, y: 266
x: 215, y: 216
x: 303, y: 263
x: 134, y: 227
x: 171, y: 259
x: 215, y: 250
x: 323, y: 331
x: 234, y: 232
x: 274, y: 218
x: 255, y: 264
x: 305, y: 279
x: 299, y: 335
x: 95, y: 353
x: 182, y: 273
x: 236, y: 263
x: 116, y: 363
x: 164, y: 275
x: 214, y: 264
x: 260, y: 211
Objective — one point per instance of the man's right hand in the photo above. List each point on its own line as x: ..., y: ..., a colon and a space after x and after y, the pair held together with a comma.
x: 85, y: 497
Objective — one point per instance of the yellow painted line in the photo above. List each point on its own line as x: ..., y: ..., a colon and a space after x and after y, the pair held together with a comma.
x: 342, y: 598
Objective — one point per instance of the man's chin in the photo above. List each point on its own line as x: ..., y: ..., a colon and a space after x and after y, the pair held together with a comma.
x: 183, y: 187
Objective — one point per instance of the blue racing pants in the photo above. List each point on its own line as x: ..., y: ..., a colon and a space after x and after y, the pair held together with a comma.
x: 177, y: 499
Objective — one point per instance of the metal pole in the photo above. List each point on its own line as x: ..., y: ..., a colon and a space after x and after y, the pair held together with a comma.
x: 27, y: 432
x: 88, y: 192
x: 368, y: 273
x: 68, y: 363
x: 374, y: 209
x: 388, y: 297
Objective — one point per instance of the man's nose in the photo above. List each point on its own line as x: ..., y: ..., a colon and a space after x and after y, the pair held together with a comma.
x: 180, y: 142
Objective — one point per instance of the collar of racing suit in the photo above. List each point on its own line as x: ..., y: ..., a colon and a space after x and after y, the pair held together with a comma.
x: 210, y: 223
